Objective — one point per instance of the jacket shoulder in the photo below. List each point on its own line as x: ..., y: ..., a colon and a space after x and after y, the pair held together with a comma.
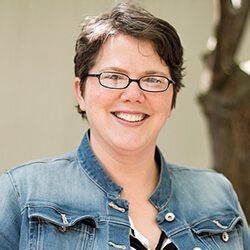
x: 43, y: 164
x: 194, y: 173
x: 204, y: 186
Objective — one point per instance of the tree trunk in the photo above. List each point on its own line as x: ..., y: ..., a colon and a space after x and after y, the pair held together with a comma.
x: 226, y: 102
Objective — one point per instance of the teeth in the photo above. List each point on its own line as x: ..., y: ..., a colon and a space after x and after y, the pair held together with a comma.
x: 130, y: 117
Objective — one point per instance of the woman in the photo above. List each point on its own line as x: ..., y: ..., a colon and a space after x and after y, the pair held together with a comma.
x: 116, y: 191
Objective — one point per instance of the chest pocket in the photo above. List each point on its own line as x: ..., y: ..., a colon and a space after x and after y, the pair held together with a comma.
x: 220, y: 232
x: 53, y: 228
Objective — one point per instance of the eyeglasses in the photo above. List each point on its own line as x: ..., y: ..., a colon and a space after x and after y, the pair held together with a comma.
x: 150, y: 83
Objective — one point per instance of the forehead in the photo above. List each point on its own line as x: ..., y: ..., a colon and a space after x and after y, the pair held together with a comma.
x: 129, y: 53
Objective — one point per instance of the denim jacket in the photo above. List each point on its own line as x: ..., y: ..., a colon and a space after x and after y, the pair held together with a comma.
x: 70, y: 202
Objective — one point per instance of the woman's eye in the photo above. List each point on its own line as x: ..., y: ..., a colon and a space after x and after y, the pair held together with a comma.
x: 152, y: 80
x: 113, y: 77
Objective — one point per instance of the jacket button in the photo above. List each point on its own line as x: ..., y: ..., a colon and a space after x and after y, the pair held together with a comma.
x: 169, y: 217
x: 225, y: 237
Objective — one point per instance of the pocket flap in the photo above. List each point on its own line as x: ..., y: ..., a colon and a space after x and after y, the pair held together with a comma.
x: 60, y: 217
x: 217, y: 224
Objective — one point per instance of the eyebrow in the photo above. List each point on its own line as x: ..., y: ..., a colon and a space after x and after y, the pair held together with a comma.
x: 121, y: 70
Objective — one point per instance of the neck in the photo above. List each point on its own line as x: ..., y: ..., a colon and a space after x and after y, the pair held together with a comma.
x: 133, y: 170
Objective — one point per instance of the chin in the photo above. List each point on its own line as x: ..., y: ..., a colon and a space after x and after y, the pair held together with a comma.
x: 131, y: 144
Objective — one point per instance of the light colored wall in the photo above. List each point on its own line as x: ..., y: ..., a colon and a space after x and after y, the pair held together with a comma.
x: 38, y: 118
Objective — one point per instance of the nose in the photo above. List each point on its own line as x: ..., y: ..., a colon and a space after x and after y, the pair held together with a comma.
x: 133, y: 93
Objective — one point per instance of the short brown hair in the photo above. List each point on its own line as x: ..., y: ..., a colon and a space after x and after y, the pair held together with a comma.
x: 135, y: 21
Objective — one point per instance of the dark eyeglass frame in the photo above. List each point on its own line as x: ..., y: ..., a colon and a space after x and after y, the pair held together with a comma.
x: 138, y: 81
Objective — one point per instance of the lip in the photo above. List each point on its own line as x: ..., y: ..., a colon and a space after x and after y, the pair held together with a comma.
x: 130, y: 117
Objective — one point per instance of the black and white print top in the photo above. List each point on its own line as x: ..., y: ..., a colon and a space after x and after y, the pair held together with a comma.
x: 140, y: 242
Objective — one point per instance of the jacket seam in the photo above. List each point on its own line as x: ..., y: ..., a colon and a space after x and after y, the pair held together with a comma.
x: 18, y: 195
x: 45, y: 161
x: 15, y: 190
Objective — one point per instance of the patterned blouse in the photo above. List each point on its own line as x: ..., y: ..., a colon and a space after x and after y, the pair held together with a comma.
x: 140, y: 242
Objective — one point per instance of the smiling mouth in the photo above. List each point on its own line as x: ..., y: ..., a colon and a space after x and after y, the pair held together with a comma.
x: 130, y: 117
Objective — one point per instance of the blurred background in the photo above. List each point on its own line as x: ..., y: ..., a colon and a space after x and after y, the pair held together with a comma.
x: 37, y: 39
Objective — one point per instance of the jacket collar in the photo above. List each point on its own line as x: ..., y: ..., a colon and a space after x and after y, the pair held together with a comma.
x: 101, y: 178
x: 163, y: 191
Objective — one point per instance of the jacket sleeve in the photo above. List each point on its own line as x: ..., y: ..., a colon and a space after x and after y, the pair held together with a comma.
x: 245, y: 230
x: 10, y: 214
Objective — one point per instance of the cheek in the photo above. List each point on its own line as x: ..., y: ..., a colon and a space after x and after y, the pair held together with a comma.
x: 163, y: 103
x: 99, y: 98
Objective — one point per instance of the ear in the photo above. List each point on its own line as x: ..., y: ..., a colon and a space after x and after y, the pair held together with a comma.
x: 78, y: 93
